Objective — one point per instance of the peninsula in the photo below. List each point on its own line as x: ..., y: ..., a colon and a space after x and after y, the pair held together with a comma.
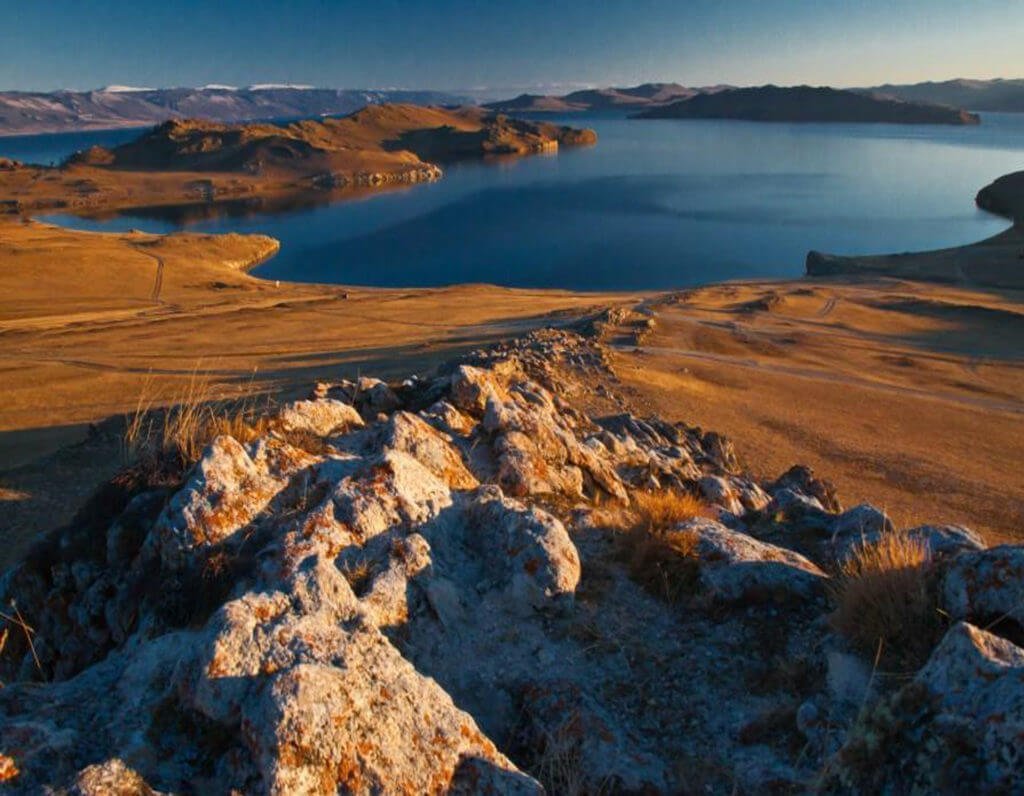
x: 997, y: 262
x: 183, y: 161
x: 807, y: 104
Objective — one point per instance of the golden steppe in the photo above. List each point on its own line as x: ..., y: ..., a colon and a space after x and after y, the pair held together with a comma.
x: 908, y: 394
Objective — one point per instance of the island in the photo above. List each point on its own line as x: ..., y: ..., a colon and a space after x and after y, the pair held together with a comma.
x: 807, y: 104
x: 196, y: 161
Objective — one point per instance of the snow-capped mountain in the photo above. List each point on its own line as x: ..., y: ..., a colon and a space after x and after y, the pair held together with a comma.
x: 24, y: 112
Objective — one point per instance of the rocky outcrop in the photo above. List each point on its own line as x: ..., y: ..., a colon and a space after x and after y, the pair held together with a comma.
x: 956, y: 728
x: 419, y: 587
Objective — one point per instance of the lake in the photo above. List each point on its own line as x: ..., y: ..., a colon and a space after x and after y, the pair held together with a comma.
x: 656, y: 204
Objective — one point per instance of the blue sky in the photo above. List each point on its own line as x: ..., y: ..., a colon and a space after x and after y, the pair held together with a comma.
x: 453, y: 44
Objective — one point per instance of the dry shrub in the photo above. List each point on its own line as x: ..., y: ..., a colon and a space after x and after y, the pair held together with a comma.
x: 194, y: 418
x: 662, y: 560
x: 360, y: 575
x: 558, y: 765
x: 658, y: 511
x: 664, y: 563
x: 885, y: 605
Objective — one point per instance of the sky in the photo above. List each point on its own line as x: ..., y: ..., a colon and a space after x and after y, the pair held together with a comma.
x: 498, y: 46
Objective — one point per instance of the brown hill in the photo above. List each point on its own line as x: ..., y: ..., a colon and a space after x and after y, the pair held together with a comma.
x: 189, y: 160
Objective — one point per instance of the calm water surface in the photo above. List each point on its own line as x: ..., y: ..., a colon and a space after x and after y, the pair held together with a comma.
x: 656, y: 204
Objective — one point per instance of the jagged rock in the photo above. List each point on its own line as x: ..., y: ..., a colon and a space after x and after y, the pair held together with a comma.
x: 225, y: 492
x: 321, y: 417
x: 449, y: 419
x: 373, y: 397
x: 325, y: 701
x: 718, y: 492
x: 720, y: 452
x: 801, y: 479
x: 530, y: 547
x: 412, y: 435
x: 860, y: 522
x: 860, y: 525
x: 986, y: 585
x: 390, y: 489
x: 798, y: 511
x: 110, y: 778
x: 735, y: 567
x: 946, y: 540
x: 340, y: 607
x: 956, y: 728
x: 471, y: 387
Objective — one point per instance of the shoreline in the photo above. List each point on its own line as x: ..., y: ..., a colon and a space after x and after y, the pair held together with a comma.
x: 918, y: 373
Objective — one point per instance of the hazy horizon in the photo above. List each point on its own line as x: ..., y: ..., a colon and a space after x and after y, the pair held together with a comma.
x: 452, y: 45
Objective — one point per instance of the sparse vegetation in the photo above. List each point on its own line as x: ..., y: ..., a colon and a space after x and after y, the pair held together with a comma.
x: 193, y: 419
x: 558, y: 764
x: 359, y: 574
x: 884, y: 601
x: 661, y: 559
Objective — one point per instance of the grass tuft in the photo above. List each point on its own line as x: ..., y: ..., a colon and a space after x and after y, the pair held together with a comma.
x: 193, y: 419
x: 885, y: 605
x: 661, y: 559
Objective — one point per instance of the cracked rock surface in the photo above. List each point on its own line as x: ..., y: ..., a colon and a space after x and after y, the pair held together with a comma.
x: 416, y: 588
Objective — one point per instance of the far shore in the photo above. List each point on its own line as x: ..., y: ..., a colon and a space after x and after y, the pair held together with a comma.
x: 186, y: 161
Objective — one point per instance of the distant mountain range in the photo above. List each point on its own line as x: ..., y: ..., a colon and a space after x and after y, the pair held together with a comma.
x: 807, y: 104
x: 636, y: 97
x: 126, y: 106
x: 975, y: 95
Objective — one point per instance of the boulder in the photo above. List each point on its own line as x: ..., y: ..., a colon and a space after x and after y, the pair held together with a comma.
x: 956, y: 728
x: 940, y: 541
x: 322, y: 417
x: 433, y: 449
x: 226, y: 490
x: 737, y: 568
x: 374, y: 397
x: 986, y: 585
x: 801, y: 479
x: 527, y: 549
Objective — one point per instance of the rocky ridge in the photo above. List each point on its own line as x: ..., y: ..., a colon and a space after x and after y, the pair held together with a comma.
x: 419, y: 588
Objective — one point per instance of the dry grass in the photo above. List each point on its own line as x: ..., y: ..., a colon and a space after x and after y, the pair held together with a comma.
x: 884, y: 601
x: 559, y: 765
x: 359, y: 575
x: 194, y: 418
x: 658, y: 511
x: 660, y: 558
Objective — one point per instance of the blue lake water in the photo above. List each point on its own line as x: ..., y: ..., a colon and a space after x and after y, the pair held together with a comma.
x: 656, y: 204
